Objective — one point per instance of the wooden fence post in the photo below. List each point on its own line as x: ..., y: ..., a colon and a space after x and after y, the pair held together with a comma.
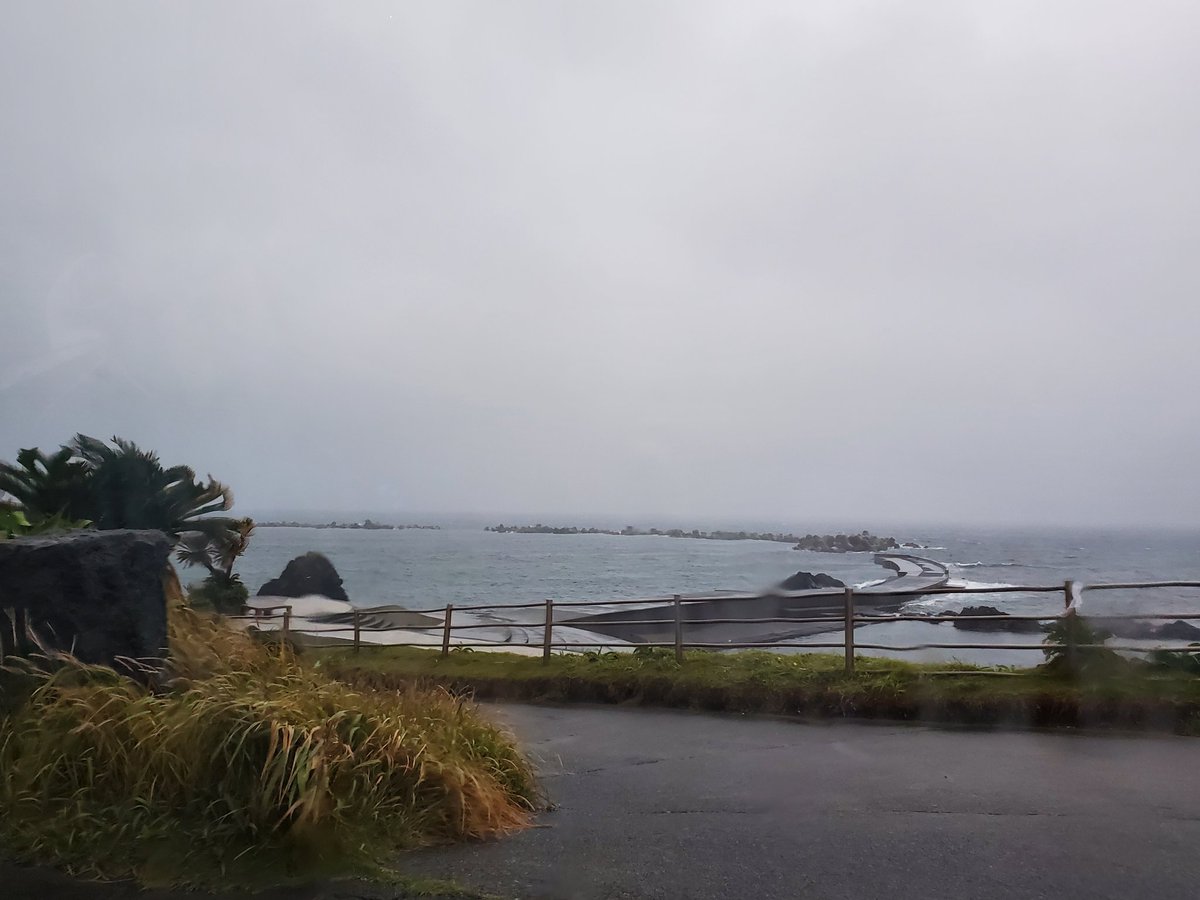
x: 678, y: 631
x: 287, y: 623
x: 849, y: 631
x: 548, y: 635
x: 357, y: 631
x: 1071, y: 617
x: 446, y: 629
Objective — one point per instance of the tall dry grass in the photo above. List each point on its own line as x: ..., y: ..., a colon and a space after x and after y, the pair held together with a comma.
x: 243, y: 767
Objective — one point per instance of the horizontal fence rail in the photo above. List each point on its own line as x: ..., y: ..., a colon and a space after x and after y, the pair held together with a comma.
x: 843, y: 616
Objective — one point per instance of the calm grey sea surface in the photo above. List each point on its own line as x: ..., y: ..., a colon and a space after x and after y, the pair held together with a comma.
x: 463, y: 564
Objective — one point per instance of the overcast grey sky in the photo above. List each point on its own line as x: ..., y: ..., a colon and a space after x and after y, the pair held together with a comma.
x: 870, y: 261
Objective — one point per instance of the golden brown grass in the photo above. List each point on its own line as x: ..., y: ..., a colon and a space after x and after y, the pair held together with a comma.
x: 244, y: 767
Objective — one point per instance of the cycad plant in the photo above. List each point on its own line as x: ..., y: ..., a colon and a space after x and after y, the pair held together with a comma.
x: 48, y: 487
x: 216, y: 545
x: 120, y: 485
x: 129, y: 488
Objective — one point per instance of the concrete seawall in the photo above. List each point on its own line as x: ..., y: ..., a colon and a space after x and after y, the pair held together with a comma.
x: 913, y: 573
x: 614, y: 624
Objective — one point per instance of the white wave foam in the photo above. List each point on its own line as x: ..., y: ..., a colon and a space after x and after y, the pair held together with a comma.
x: 993, y: 565
x: 937, y: 603
x: 964, y: 583
x: 308, y: 605
x: 867, y: 584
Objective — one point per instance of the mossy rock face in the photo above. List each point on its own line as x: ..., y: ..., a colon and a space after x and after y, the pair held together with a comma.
x: 98, y: 594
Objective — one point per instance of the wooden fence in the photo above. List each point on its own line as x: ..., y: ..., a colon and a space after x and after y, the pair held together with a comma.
x: 848, y: 619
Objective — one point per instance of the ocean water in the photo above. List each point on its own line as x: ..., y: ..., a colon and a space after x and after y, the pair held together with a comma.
x: 465, y: 565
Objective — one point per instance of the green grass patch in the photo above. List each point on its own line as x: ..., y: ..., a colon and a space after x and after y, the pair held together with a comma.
x: 245, y: 768
x: 1123, y: 694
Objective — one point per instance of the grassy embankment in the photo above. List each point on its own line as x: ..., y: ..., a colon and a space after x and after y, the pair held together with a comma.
x: 244, y: 769
x: 1110, y: 693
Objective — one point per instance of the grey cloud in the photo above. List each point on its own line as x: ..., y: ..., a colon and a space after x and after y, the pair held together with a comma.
x: 856, y: 261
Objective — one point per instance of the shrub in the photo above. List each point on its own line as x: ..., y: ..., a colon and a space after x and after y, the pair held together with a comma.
x: 1074, y: 657
x: 223, y: 595
x: 1178, y: 661
x: 244, y: 768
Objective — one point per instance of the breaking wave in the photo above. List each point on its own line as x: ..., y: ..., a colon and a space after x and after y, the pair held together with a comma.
x: 964, y: 583
x: 867, y: 584
x: 940, y: 602
x: 990, y: 565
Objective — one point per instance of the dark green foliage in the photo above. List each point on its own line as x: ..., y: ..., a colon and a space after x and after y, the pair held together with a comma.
x: 226, y: 595
x: 1178, y: 661
x: 115, y: 485
x: 1071, y: 648
x: 216, y: 545
x: 128, y: 487
x: 14, y: 523
x: 659, y: 654
x: 1131, y: 695
x: 48, y: 486
x: 120, y: 485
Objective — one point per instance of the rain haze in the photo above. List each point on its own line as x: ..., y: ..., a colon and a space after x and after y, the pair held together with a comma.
x: 865, y: 261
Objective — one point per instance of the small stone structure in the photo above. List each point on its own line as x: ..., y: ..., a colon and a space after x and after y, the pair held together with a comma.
x: 96, y: 594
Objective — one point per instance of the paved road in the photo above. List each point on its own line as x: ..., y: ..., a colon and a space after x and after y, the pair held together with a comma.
x: 674, y: 805
x: 656, y: 804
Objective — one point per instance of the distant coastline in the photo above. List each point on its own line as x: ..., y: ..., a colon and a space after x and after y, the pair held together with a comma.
x: 365, y: 525
x: 864, y: 542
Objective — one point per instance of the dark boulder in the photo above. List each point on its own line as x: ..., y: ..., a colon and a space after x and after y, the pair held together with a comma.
x: 1143, y: 630
x: 1136, y: 629
x: 311, y: 573
x: 994, y: 625
x: 806, y: 581
x: 98, y: 594
x: 1178, y: 630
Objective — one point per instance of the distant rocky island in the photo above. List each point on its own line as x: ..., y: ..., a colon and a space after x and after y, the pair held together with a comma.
x: 630, y: 531
x: 821, y: 543
x: 864, y: 542
x: 364, y: 525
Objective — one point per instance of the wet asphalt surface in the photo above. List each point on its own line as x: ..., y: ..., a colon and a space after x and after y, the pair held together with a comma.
x: 660, y: 804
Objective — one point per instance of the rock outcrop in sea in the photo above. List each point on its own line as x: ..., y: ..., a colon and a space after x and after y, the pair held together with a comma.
x: 807, y: 581
x: 311, y: 573
x: 1019, y: 626
x: 846, y: 543
x: 1137, y: 629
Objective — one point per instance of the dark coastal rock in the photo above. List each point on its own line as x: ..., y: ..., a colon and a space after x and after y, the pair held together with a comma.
x: 997, y: 625
x: 98, y: 594
x: 846, y: 543
x: 1178, y: 630
x: 1137, y: 629
x: 806, y: 581
x: 1126, y: 628
x: 311, y: 573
